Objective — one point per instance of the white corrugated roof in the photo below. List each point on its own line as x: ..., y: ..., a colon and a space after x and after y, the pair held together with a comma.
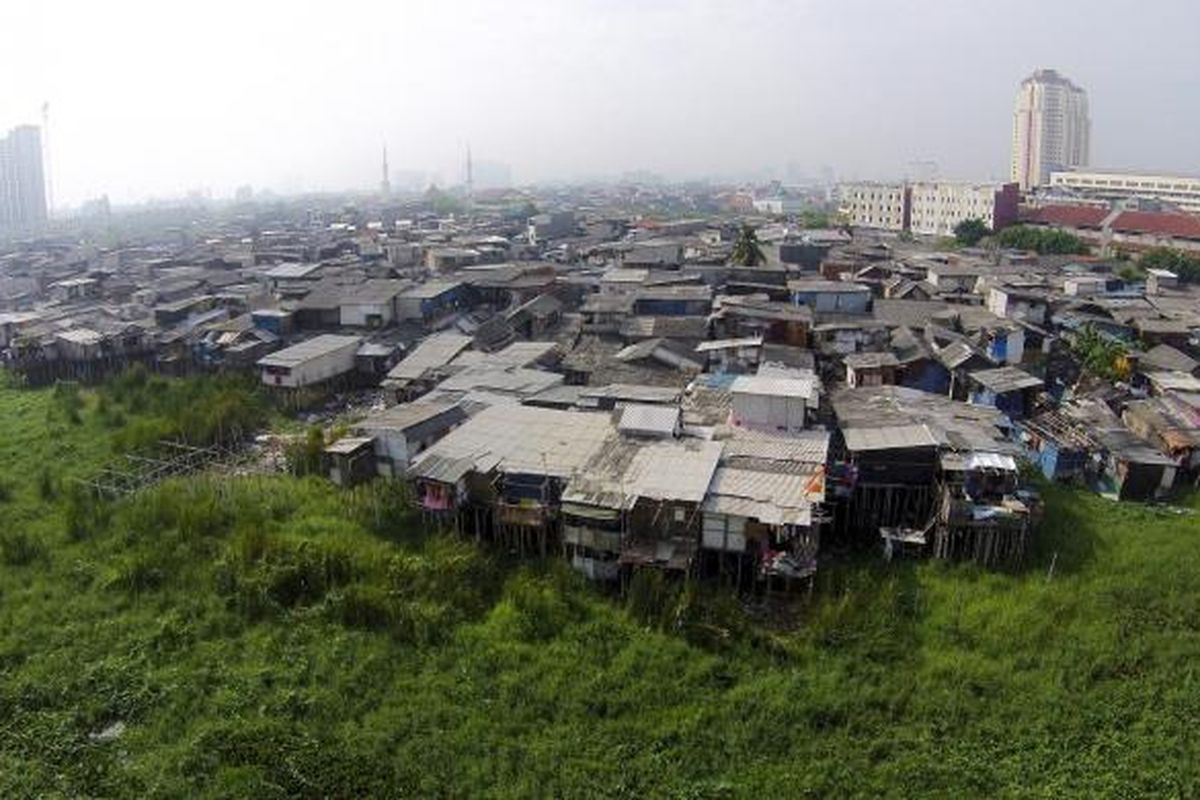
x: 527, y: 439
x: 517, y: 354
x: 893, y: 437
x: 658, y: 420
x: 774, y: 498
x: 729, y: 344
x: 310, y: 349
x: 435, y: 351
x: 676, y: 470
x: 782, y: 387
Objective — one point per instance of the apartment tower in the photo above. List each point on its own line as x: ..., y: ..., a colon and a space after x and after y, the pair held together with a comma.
x: 1051, y: 128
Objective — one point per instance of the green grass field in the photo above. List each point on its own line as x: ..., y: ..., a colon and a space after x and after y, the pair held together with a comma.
x: 274, y: 637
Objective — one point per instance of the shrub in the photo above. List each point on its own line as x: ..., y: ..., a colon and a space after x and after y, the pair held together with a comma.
x: 19, y: 549
x: 47, y: 488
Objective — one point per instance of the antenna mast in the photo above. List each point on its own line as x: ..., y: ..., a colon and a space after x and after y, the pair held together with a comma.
x: 385, y: 183
x: 470, y: 183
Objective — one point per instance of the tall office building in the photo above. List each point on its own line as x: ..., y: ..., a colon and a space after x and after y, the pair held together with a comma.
x: 1051, y: 128
x: 22, y: 181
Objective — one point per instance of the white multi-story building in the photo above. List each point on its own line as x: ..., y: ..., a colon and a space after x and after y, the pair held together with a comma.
x: 875, y: 205
x: 930, y: 208
x: 1051, y: 128
x: 937, y: 207
x: 1176, y: 189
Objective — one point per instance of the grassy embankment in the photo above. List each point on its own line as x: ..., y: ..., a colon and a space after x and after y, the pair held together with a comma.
x: 273, y: 637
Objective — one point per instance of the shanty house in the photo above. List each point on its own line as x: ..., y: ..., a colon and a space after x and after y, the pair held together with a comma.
x: 871, y: 369
x: 371, y: 304
x: 831, y: 296
x: 404, y: 431
x: 669, y: 481
x: 431, y: 301
x: 761, y: 513
x: 1017, y: 305
x: 1060, y: 445
x: 426, y: 364
x: 317, y: 360
x: 537, y: 316
x: 1008, y: 389
x: 504, y: 470
x: 771, y: 404
x: 272, y: 320
x: 738, y: 356
x: 349, y: 461
x: 672, y: 301
x: 983, y: 516
x: 775, y: 323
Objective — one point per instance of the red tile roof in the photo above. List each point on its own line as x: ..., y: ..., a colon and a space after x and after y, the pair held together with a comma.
x: 1179, y: 226
x: 1067, y: 216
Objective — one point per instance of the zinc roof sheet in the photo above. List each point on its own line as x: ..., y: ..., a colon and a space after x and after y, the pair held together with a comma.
x: 658, y: 420
x: 895, y: 437
x: 522, y: 439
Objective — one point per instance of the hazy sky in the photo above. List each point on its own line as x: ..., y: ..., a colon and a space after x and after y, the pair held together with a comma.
x: 155, y: 98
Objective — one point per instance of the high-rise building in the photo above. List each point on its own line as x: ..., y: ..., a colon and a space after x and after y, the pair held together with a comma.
x: 22, y: 181
x: 1051, y: 128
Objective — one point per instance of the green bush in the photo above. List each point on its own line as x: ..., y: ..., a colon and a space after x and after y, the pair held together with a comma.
x: 19, y: 549
x: 1041, y: 240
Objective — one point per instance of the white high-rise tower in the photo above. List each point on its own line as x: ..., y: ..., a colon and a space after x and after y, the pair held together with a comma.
x: 1051, y: 128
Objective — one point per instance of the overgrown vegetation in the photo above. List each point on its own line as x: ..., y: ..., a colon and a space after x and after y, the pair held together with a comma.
x: 1045, y: 241
x: 1185, y: 265
x: 277, y: 637
x: 143, y: 409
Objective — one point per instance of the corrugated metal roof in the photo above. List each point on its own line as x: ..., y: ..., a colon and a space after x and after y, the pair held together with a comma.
x: 1005, y: 379
x: 307, y: 350
x: 633, y: 392
x: 517, y: 354
x: 729, y: 344
x: 435, y: 351
x: 406, y: 415
x: 654, y: 420
x: 774, y: 498
x: 807, y: 447
x: 776, y: 387
x: 431, y: 289
x: 523, y: 382
x: 673, y: 470
x: 524, y: 439
x: 766, y: 513
x: 895, y: 437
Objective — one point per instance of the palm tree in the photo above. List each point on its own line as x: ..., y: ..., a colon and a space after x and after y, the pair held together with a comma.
x: 747, y: 251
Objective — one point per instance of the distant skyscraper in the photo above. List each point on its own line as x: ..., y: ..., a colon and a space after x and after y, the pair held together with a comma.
x: 1051, y: 128
x: 22, y: 181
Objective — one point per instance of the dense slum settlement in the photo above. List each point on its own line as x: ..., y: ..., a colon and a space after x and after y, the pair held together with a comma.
x: 612, y: 390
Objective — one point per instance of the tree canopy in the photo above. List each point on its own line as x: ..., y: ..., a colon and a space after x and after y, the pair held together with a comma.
x: 1100, y: 355
x: 1185, y: 265
x: 747, y: 250
x: 1041, y: 240
x: 969, y: 232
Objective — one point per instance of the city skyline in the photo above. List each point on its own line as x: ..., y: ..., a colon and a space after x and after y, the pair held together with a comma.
x: 685, y: 90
